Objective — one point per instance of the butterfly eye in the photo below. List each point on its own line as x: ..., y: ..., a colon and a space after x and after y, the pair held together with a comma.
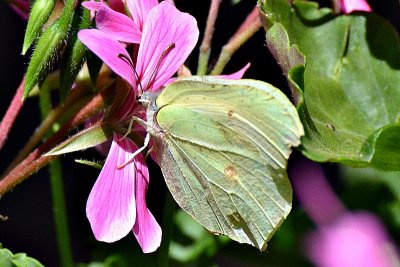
x: 164, y: 53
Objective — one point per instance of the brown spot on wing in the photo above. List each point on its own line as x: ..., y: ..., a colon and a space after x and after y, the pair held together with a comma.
x: 230, y: 113
x: 230, y: 173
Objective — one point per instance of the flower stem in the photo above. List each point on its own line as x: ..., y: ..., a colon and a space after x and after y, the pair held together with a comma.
x: 205, y: 47
x: 167, y: 225
x: 11, y: 114
x: 57, y: 192
x: 248, y: 28
x: 75, y: 100
x: 35, y: 160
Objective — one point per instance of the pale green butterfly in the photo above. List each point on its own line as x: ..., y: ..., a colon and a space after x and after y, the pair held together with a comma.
x: 222, y: 146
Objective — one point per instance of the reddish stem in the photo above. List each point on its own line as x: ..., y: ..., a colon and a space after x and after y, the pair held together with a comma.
x: 11, y: 114
x: 35, y: 161
x: 248, y: 28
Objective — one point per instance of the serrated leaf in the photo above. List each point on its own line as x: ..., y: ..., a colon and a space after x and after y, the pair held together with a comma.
x: 48, y: 49
x: 74, y: 54
x: 350, y: 81
x: 39, y: 14
x: 95, y: 135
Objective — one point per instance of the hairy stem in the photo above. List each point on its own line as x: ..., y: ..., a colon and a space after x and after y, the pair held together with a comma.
x: 35, y: 160
x: 205, y: 48
x: 11, y: 114
x: 248, y: 28
x: 75, y: 100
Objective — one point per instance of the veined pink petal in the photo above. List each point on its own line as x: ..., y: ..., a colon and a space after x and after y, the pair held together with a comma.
x: 139, y: 10
x: 348, y: 6
x: 111, y: 206
x: 236, y: 75
x: 117, y: 25
x: 147, y: 231
x: 165, y: 25
x: 108, y: 50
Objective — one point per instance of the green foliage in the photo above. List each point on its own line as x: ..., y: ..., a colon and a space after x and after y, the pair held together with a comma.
x: 8, y: 259
x: 348, y: 85
x: 40, y: 13
x: 224, y: 162
x: 89, y: 163
x: 90, y: 137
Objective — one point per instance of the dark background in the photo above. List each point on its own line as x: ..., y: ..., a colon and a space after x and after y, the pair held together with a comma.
x: 29, y: 227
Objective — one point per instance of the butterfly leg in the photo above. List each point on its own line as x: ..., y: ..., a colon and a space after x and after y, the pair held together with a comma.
x: 145, y: 144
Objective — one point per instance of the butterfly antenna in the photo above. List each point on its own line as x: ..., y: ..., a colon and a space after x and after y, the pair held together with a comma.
x: 164, y: 53
x: 145, y: 144
x: 129, y: 61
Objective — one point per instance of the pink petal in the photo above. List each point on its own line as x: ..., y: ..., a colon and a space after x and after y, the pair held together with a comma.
x: 236, y: 75
x: 139, y: 10
x: 165, y: 25
x: 117, y: 26
x: 107, y: 50
x: 147, y: 231
x: 111, y: 206
x: 128, y: 108
x: 92, y: 5
x: 354, y: 239
x: 348, y: 6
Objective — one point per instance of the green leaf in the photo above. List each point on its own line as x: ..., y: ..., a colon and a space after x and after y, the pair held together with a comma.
x: 74, y: 55
x: 22, y: 260
x: 90, y: 163
x: 223, y: 146
x: 95, y: 135
x: 349, y: 81
x: 7, y: 259
x: 48, y: 48
x: 39, y: 14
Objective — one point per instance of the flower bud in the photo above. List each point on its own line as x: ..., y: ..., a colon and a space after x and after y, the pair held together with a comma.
x: 40, y: 13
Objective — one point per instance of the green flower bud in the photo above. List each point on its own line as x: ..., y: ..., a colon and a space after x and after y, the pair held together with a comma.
x: 40, y: 13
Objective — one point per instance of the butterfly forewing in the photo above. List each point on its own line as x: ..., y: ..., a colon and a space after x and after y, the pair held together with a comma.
x: 223, y: 149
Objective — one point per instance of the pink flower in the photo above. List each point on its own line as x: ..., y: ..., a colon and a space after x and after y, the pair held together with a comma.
x: 342, y: 239
x: 164, y: 26
x: 349, y: 6
x: 353, y: 240
x: 117, y: 204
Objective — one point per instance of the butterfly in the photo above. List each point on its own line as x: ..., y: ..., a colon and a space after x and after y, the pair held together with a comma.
x: 223, y: 147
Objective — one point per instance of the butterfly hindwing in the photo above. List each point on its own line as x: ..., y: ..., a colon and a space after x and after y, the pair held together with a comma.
x: 223, y: 148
